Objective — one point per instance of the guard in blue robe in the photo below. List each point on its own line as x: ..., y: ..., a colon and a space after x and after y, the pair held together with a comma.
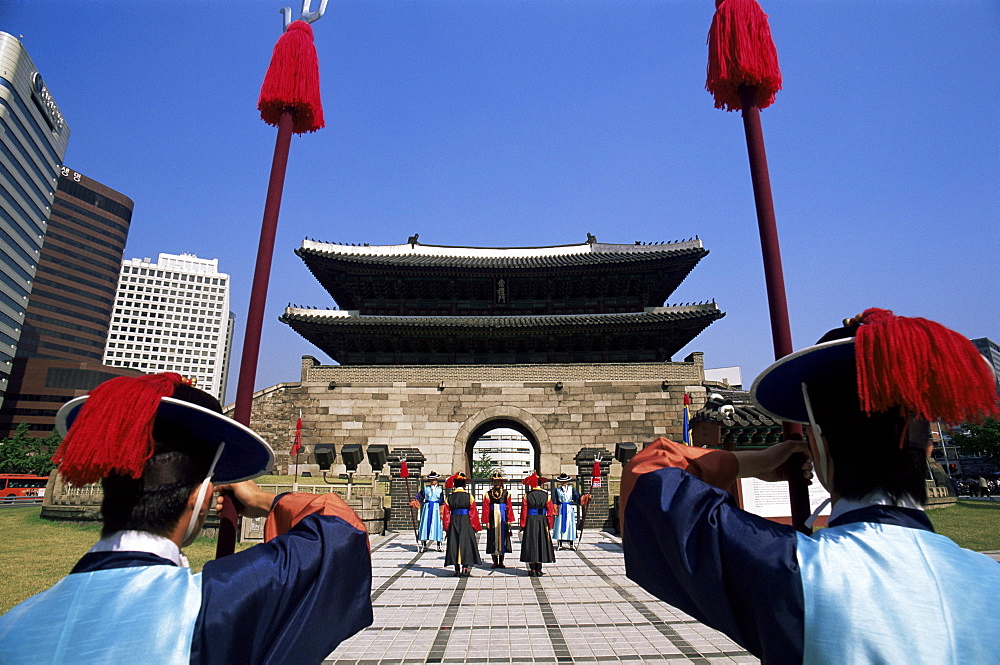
x: 566, y: 498
x: 877, y: 585
x: 290, y: 600
x: 157, y: 442
x: 430, y: 499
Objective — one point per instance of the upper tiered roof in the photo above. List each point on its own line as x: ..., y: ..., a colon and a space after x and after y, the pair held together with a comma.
x: 432, y: 304
x: 589, y: 277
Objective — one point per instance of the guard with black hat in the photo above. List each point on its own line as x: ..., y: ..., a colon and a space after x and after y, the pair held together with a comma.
x: 157, y: 444
x: 566, y: 498
x: 877, y: 585
x: 430, y: 501
x: 498, y: 515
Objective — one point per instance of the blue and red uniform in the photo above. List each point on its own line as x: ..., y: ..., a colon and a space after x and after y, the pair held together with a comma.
x: 292, y: 599
x: 877, y: 585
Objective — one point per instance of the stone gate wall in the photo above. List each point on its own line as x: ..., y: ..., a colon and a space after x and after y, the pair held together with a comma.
x: 435, y: 409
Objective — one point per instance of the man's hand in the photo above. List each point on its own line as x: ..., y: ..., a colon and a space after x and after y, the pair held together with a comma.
x: 768, y: 464
x: 256, y: 502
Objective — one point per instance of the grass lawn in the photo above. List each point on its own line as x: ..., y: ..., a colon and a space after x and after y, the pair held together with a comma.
x: 36, y: 553
x: 972, y: 524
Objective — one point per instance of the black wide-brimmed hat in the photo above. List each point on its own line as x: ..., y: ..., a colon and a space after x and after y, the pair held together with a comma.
x: 563, y: 478
x: 120, y: 425
x: 912, y: 364
x: 433, y: 475
x: 497, y: 475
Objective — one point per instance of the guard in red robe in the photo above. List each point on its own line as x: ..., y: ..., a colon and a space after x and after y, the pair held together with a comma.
x: 461, y: 521
x: 498, y: 515
x: 537, y: 515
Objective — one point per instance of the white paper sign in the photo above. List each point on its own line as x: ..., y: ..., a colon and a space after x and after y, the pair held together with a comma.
x: 771, y: 499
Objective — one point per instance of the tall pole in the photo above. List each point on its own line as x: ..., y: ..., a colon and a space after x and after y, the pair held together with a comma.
x: 255, y: 316
x: 262, y: 270
x: 774, y: 280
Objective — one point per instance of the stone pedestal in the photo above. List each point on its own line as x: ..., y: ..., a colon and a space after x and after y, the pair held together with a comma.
x: 598, y: 515
x: 399, y: 511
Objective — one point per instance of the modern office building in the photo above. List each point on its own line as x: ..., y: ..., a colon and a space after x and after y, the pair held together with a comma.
x: 173, y: 316
x: 33, y: 137
x: 69, y: 310
x: 74, y: 292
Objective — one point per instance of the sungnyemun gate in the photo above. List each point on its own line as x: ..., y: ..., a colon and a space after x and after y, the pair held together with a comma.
x: 569, y: 345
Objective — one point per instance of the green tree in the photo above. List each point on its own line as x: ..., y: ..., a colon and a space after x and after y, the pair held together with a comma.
x: 980, y: 439
x: 23, y: 453
x: 482, y: 467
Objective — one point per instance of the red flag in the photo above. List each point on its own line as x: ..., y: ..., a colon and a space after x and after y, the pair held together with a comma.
x: 404, y: 470
x: 298, y: 438
x: 595, y: 475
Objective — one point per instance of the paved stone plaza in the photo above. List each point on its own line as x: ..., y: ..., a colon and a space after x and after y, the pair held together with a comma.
x: 582, y: 610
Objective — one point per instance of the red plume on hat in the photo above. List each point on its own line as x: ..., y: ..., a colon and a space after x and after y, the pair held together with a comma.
x: 534, y: 480
x: 741, y: 52
x: 450, y: 483
x: 114, y: 431
x: 919, y: 365
x: 292, y: 81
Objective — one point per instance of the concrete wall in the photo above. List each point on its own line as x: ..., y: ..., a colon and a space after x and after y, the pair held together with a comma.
x: 437, y: 408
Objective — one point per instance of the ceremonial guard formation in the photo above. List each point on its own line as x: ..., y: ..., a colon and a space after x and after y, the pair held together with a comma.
x: 567, y: 498
x: 498, y: 515
x: 536, y: 520
x: 430, y: 500
x: 461, y: 521
x: 867, y: 588
x: 156, y: 444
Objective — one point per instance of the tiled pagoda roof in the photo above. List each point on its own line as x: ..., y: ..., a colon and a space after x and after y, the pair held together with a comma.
x: 651, y: 335
x: 492, y: 258
x: 346, y: 319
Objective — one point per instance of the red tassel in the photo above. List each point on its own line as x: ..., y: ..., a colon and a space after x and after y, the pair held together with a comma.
x: 531, y: 481
x: 114, y: 429
x: 292, y: 81
x: 404, y: 470
x: 595, y: 474
x: 923, y: 367
x: 741, y: 53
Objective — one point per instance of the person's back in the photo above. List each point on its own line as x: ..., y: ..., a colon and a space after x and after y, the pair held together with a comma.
x: 876, y: 585
x: 872, y: 591
x: 132, y: 598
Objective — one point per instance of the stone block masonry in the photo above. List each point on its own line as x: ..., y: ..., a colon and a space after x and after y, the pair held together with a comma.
x: 437, y: 409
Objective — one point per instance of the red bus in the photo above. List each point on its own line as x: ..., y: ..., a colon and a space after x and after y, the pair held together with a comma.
x: 22, y: 487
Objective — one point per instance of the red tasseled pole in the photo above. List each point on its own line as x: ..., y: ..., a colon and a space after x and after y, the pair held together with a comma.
x: 113, y: 432
x: 292, y: 81
x: 404, y: 469
x: 743, y: 75
x: 741, y: 53
x: 931, y: 371
x: 290, y: 100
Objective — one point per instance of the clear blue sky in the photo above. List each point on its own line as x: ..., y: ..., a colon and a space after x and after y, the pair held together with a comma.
x: 534, y: 122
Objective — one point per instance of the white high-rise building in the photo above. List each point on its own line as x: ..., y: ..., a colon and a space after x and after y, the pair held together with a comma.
x: 509, y: 450
x: 173, y: 316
